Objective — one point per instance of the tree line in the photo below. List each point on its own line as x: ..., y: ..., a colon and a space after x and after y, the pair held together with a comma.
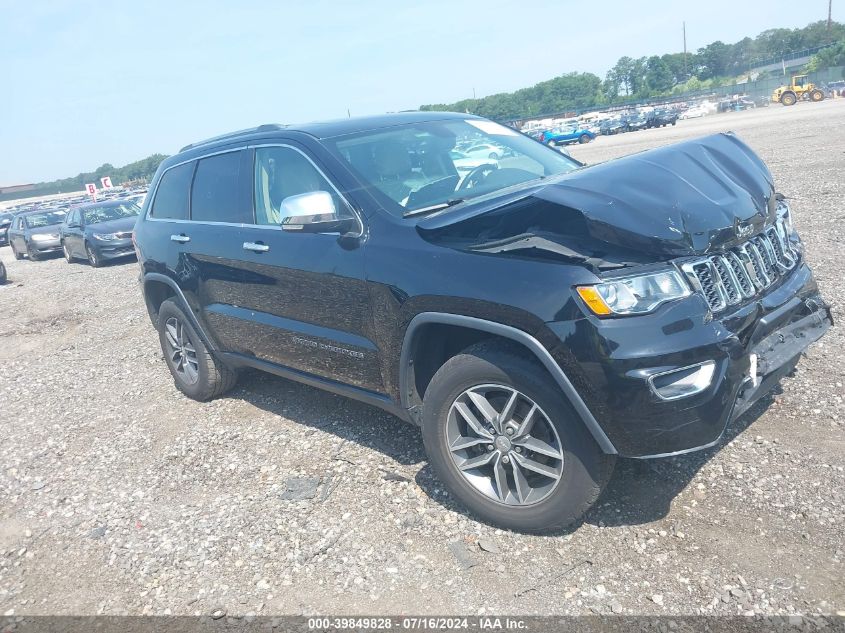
x: 140, y: 171
x: 659, y: 75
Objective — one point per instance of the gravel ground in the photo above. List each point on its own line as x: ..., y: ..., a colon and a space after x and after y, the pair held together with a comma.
x: 118, y: 495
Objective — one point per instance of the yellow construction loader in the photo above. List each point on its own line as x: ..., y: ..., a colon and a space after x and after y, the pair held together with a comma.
x: 800, y: 89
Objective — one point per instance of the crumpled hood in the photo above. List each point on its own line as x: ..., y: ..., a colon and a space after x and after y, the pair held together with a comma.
x: 690, y: 198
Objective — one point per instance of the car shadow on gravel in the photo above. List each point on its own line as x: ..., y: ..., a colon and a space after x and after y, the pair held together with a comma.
x: 354, y: 422
x: 639, y: 492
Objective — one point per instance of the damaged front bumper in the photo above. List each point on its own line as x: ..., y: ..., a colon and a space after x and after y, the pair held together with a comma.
x: 745, y: 354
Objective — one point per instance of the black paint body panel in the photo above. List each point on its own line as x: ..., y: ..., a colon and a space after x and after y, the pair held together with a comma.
x: 333, y: 311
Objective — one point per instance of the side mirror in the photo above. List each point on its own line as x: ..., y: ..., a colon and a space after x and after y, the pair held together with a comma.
x: 315, y: 212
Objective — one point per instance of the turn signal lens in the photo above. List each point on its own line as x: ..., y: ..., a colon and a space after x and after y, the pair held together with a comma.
x: 593, y: 299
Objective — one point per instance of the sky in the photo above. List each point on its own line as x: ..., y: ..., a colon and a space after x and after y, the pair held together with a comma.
x: 86, y: 83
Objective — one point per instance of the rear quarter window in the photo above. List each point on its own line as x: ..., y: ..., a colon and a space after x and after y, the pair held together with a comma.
x: 171, y: 199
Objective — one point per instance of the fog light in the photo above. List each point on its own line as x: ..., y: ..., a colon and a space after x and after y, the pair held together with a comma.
x: 683, y: 382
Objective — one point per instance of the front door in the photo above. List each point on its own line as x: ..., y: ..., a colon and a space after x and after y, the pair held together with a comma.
x: 299, y: 299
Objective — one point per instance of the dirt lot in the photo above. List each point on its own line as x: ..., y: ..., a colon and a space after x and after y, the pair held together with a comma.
x: 118, y: 495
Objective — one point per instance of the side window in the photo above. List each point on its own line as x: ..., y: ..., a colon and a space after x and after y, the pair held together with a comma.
x: 171, y: 201
x: 215, y: 193
x: 282, y: 172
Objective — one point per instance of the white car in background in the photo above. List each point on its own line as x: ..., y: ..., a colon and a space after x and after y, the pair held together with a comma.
x: 484, y: 150
x: 465, y: 163
x: 694, y: 112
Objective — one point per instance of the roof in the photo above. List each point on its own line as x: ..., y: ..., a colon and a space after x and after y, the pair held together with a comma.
x: 43, y: 210
x: 337, y: 127
x: 103, y: 203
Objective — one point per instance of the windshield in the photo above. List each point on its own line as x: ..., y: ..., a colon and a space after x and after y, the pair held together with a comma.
x: 48, y: 218
x: 416, y: 167
x: 95, y: 215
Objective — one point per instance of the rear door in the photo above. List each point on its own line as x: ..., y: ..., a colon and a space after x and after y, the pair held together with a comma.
x: 72, y: 231
x: 16, y: 234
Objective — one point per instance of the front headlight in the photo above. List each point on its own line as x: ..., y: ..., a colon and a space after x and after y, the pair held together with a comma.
x: 105, y: 237
x: 636, y: 294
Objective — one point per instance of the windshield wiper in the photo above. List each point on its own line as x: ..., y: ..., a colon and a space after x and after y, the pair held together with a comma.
x: 434, y: 207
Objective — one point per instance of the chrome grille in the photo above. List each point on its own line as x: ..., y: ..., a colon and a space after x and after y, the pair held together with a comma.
x: 738, y: 274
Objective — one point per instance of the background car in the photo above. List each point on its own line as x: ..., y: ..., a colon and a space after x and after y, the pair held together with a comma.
x: 662, y: 117
x: 484, y: 150
x: 694, y: 112
x: 564, y: 136
x: 36, y: 233
x: 5, y: 223
x: 468, y: 163
x: 99, y: 231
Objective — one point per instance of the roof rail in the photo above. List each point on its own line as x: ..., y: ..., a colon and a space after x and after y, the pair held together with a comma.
x: 267, y: 127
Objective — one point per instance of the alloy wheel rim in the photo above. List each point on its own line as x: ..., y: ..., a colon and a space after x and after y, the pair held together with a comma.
x: 181, y: 351
x: 504, y: 445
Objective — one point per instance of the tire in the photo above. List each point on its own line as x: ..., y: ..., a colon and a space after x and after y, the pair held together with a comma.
x: 816, y: 95
x: 15, y: 252
x: 583, y: 470
x: 32, y: 254
x: 212, y: 378
x: 66, y: 252
x: 788, y: 98
x: 93, y: 260
x: 2, y: 273
x: 493, y: 156
x: 584, y: 138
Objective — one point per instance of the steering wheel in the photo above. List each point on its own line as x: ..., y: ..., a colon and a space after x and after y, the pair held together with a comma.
x: 477, y: 176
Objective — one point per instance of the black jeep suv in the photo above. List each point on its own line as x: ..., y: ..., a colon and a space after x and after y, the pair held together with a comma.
x: 535, y: 317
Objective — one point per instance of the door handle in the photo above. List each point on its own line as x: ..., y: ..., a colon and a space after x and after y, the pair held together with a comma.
x: 256, y: 247
x: 180, y: 238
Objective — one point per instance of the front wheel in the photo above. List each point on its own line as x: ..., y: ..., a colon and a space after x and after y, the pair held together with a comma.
x: 16, y: 253
x: 66, y: 252
x: 584, y: 138
x: 93, y: 258
x: 816, y: 95
x: 32, y: 254
x: 506, y: 442
x: 196, y: 372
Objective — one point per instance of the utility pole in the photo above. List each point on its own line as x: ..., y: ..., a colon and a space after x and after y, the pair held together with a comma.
x: 829, y: 13
x: 686, y: 75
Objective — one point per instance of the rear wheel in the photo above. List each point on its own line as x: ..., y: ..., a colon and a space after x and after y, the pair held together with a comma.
x: 15, y: 252
x: 584, y: 138
x: 505, y: 441
x: 816, y: 95
x: 196, y: 372
x: 788, y: 98
x: 66, y: 252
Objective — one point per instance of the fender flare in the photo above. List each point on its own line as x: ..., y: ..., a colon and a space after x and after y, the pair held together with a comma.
x: 517, y: 335
x: 186, y: 307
